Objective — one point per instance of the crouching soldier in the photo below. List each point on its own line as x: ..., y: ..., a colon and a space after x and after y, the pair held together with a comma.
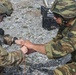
x: 11, y: 58
x: 65, y: 42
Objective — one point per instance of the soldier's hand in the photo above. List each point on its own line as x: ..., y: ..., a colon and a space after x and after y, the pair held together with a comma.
x: 24, y: 49
x: 27, y: 43
x: 19, y: 42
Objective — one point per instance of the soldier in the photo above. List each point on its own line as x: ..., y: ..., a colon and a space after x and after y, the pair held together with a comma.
x: 65, y: 42
x: 11, y: 58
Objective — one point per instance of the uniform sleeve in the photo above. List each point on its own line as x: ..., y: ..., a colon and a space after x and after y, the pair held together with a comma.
x: 8, y: 39
x: 58, y: 48
x: 11, y: 58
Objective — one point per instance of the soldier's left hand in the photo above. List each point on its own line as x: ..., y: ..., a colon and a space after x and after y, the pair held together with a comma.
x: 24, y: 49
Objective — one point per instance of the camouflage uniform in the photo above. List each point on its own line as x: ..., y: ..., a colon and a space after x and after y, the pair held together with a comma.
x: 11, y: 58
x: 65, y: 42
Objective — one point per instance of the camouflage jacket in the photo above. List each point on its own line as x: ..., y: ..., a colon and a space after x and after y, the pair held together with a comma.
x: 10, y: 58
x: 62, y: 44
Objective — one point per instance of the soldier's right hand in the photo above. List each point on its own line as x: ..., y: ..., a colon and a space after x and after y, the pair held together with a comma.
x: 19, y: 42
x: 26, y: 43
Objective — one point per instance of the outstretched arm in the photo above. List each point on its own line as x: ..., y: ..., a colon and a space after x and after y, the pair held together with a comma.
x: 31, y: 46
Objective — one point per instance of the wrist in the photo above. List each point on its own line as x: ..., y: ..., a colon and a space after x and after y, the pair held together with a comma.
x: 32, y: 46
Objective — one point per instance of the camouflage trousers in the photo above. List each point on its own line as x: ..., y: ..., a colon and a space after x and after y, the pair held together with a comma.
x: 67, y: 69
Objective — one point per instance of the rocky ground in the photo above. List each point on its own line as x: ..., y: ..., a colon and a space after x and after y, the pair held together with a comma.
x: 26, y: 22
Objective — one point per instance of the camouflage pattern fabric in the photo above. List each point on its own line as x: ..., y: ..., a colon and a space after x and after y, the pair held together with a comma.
x: 9, y: 58
x: 7, y: 39
x: 66, y: 8
x: 68, y: 69
x: 65, y: 42
x: 60, y: 47
x: 6, y: 7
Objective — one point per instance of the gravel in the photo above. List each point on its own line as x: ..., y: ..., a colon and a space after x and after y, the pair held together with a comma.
x: 26, y: 22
